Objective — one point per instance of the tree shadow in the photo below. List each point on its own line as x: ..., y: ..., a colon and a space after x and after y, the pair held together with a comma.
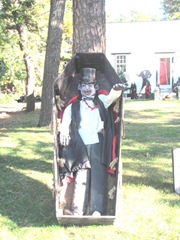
x: 151, y: 176
x: 25, y: 200
x: 157, y: 139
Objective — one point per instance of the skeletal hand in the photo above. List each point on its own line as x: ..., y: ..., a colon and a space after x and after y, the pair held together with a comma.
x: 112, y: 164
x: 118, y: 86
x: 64, y: 140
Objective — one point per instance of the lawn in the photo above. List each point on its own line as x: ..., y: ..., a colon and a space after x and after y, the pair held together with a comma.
x: 150, y: 208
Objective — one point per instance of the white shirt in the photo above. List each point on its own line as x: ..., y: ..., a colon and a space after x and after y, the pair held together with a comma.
x: 91, y: 122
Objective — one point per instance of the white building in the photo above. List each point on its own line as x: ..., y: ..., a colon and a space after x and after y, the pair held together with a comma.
x: 134, y: 46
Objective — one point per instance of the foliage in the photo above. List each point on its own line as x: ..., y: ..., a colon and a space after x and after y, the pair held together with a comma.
x: 19, y: 12
x: 34, y: 16
x: 150, y: 208
x: 36, y: 12
x: 122, y: 76
x: 133, y: 16
x: 66, y: 48
x: 171, y: 9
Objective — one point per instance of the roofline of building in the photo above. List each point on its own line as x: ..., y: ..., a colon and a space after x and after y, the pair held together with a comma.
x: 138, y: 22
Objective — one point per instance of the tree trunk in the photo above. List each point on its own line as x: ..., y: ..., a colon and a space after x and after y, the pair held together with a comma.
x: 52, y: 59
x: 30, y: 99
x: 30, y: 81
x: 89, y: 26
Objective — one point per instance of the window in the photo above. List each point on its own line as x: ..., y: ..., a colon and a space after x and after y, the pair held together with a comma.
x: 120, y: 62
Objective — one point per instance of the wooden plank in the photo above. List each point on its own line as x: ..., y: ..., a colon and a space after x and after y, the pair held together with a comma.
x: 85, y: 220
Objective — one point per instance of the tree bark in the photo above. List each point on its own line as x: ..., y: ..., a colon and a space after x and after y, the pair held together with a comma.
x: 30, y: 80
x: 89, y: 26
x: 52, y: 59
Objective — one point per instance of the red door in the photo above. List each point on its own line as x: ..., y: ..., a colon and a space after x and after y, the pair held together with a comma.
x: 164, y: 75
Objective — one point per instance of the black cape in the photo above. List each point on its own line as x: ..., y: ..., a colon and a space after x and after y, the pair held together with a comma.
x: 75, y: 154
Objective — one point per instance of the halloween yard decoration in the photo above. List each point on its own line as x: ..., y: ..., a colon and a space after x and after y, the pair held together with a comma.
x: 87, y: 126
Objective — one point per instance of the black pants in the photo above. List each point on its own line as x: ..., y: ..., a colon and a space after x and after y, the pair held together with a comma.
x: 144, y: 81
x: 91, y: 184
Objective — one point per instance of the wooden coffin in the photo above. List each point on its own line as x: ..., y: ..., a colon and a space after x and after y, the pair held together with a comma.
x: 65, y: 88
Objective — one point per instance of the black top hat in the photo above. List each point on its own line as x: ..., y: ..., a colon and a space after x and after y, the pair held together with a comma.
x: 88, y: 75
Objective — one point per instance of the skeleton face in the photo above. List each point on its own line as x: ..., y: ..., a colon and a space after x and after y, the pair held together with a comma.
x: 87, y: 90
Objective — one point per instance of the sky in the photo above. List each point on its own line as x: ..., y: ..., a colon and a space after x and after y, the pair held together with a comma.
x: 148, y: 7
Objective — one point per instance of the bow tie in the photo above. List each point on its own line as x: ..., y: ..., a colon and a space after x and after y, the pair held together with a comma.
x: 88, y: 98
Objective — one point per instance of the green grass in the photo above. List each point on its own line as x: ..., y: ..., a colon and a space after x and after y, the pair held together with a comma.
x: 150, y: 209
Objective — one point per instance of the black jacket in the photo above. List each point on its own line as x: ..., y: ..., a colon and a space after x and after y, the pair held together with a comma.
x: 75, y: 154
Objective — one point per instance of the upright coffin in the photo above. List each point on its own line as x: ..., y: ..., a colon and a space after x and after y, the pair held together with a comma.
x: 65, y: 89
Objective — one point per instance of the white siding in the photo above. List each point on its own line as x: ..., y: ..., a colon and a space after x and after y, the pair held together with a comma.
x: 144, y: 43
